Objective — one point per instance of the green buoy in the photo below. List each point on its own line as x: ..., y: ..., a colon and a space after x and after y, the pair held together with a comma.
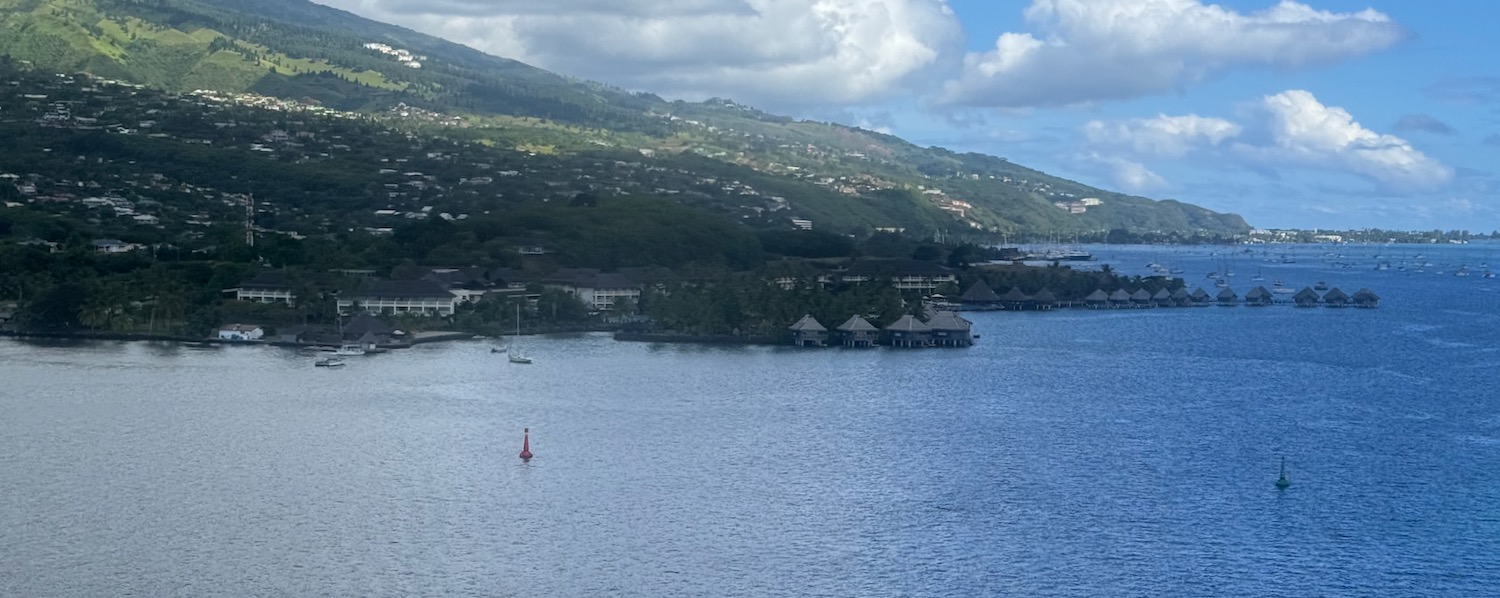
x: 1282, y: 482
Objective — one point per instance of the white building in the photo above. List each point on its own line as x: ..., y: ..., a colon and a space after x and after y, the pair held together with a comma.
x: 422, y: 297
x: 241, y: 332
x: 600, y: 292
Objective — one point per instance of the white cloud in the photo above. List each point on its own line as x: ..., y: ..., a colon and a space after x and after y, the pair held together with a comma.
x: 768, y: 52
x: 1163, y: 135
x: 1291, y: 129
x: 1092, y: 50
x: 1127, y: 174
x: 1304, y: 132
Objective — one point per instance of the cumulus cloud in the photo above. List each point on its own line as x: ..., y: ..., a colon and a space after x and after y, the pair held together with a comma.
x: 1092, y: 50
x: 1127, y: 174
x: 768, y: 52
x: 1422, y: 123
x: 1163, y: 135
x: 1291, y: 129
x: 1306, y: 132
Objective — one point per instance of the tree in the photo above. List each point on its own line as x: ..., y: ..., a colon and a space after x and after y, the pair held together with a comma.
x: 57, y: 308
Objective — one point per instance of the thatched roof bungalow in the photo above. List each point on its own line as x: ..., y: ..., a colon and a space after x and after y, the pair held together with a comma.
x: 1227, y: 297
x: 858, y: 332
x: 1014, y: 299
x: 1366, y: 298
x: 1306, y: 297
x: 1043, y: 300
x: 908, y: 332
x: 1141, y: 298
x: 807, y: 332
x: 1336, y: 298
x: 980, y: 296
x: 1119, y: 298
x: 1161, y: 297
x: 1201, y: 297
x: 1097, y: 299
x: 1181, y: 298
x: 950, y: 330
x: 1258, y: 297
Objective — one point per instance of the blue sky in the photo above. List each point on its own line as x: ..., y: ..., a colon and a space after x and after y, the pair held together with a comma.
x: 1320, y: 113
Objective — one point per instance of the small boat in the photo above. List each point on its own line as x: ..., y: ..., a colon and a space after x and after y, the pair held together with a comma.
x: 1321, y: 286
x: 329, y: 362
x: 514, y: 354
x: 350, y: 350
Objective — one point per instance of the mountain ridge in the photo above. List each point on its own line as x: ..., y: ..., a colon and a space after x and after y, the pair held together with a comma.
x: 845, y: 178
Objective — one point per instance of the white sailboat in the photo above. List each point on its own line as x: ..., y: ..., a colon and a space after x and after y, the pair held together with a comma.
x: 514, y: 353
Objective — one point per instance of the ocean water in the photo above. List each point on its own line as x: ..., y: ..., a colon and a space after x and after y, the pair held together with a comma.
x: 1072, y: 453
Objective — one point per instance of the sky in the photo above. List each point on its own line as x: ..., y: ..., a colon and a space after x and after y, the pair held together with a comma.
x: 1310, y: 114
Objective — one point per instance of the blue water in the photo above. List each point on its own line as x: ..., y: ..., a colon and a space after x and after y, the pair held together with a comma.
x: 1072, y: 453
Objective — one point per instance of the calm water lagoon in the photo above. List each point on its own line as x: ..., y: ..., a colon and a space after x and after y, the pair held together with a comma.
x: 1072, y: 453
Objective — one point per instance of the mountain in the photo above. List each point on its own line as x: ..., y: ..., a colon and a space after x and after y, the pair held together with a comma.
x: 838, y: 178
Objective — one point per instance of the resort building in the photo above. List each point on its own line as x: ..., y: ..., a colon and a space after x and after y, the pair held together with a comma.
x: 908, y: 332
x: 1228, y: 298
x: 950, y: 330
x: 1014, y: 299
x: 1366, y: 298
x: 807, y: 332
x: 858, y: 332
x: 979, y: 297
x: 1336, y: 298
x: 266, y: 287
x: 422, y: 297
x: 1258, y: 297
x: 1201, y: 298
x: 1306, y: 298
x: 600, y: 291
x: 907, y: 275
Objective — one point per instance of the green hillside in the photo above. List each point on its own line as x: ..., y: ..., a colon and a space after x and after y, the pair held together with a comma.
x: 840, y: 178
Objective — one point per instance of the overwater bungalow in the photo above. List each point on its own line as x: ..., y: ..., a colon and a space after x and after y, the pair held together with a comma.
x: 1043, y: 300
x: 908, y: 332
x: 1097, y: 299
x: 1161, y: 298
x: 1227, y: 297
x: 1201, y: 297
x: 979, y: 297
x: 1015, y: 299
x: 1306, y: 297
x: 1181, y: 298
x: 1366, y: 298
x: 950, y: 330
x: 1140, y: 298
x: 1258, y: 297
x: 1119, y: 298
x: 807, y: 332
x: 858, y: 332
x: 1336, y: 298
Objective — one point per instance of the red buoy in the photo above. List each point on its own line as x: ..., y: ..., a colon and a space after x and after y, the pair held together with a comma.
x: 526, y: 445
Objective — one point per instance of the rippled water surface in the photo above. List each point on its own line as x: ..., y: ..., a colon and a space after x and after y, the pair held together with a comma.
x: 1074, y: 453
